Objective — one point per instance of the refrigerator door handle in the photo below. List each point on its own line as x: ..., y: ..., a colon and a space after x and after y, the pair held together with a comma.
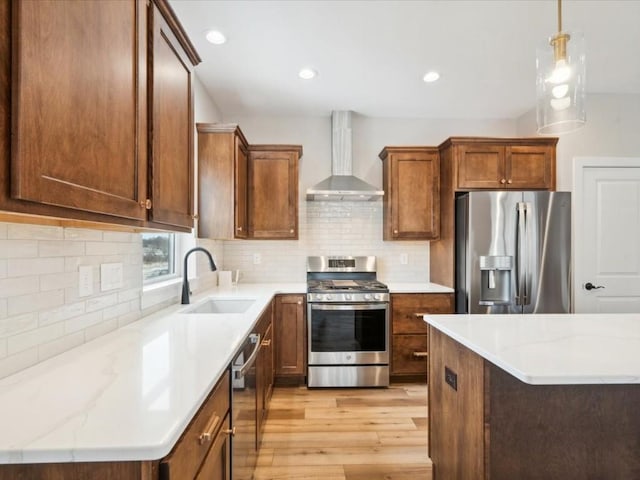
x: 526, y: 294
x: 520, y: 252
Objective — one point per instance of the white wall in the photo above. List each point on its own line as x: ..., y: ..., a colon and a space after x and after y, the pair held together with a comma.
x: 612, y: 129
x: 344, y: 227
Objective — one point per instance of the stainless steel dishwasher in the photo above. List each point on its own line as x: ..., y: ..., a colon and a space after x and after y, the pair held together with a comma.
x: 244, y: 447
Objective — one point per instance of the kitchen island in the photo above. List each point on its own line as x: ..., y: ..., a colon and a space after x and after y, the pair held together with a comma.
x: 534, y: 396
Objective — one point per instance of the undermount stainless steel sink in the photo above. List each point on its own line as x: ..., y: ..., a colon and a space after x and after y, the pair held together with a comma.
x: 221, y: 305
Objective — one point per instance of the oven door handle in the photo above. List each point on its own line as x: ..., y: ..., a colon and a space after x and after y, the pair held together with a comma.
x: 241, y: 370
x: 351, y: 306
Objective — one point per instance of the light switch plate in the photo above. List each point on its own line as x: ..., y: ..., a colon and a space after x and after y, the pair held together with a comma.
x: 404, y: 258
x: 85, y: 280
x: 111, y: 276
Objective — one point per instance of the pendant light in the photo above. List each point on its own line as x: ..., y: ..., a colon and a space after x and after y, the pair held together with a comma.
x: 560, y: 64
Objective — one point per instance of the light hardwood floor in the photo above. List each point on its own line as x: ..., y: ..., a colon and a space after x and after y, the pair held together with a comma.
x: 346, y: 434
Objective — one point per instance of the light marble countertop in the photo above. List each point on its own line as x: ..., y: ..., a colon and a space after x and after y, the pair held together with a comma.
x: 130, y: 394
x: 552, y: 349
x: 418, y: 287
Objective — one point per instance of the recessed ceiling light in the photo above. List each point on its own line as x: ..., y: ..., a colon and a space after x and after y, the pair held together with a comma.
x: 216, y: 37
x: 307, y: 73
x: 431, y: 77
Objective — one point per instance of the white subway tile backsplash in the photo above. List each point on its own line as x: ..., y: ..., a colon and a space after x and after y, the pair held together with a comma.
x: 19, y: 361
x: 3, y: 268
x: 18, y: 324
x: 3, y: 308
x: 11, y: 287
x: 35, y: 302
x: 54, y: 281
x: 82, y: 234
x: 60, y: 248
x: 116, y: 311
x: 34, y: 232
x: 99, y: 329
x: 107, y: 248
x: 59, y: 345
x: 83, y: 321
x: 18, y: 249
x: 19, y: 267
x: 120, y: 237
x: 33, y: 338
x: 128, y: 318
x: 3, y: 347
x: 101, y: 302
x: 64, y: 312
x: 3, y: 230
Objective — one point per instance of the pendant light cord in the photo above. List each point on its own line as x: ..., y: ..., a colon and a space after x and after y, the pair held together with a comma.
x: 559, y: 16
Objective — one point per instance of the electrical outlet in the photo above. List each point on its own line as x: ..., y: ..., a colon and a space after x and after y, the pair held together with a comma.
x: 85, y: 280
x: 257, y: 259
x: 111, y: 276
x: 404, y: 259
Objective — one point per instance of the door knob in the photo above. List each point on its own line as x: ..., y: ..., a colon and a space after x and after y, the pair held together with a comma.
x: 591, y: 286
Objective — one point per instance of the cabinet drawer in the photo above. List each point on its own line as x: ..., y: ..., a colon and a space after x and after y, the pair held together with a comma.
x: 187, y: 456
x: 409, y: 354
x: 407, y: 310
x: 217, y: 465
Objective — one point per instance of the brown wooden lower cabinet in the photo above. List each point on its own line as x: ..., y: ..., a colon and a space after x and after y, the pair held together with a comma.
x: 264, y: 369
x: 202, y: 452
x: 290, y: 327
x: 409, y: 342
x: 486, y: 424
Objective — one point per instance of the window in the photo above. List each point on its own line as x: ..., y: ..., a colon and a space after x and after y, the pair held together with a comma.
x: 158, y: 256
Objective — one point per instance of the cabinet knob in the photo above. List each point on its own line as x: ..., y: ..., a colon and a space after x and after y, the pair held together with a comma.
x: 502, y: 180
x: 509, y: 181
x: 291, y: 231
x: 239, y: 229
x: 299, y: 302
x: 230, y: 431
x: 395, y: 231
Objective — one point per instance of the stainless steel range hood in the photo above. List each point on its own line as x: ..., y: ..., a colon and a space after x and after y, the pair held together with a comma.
x: 342, y: 185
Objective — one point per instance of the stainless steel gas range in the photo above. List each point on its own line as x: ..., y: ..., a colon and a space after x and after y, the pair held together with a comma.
x: 348, y: 323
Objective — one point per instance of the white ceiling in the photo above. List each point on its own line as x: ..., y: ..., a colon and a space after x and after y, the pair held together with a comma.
x: 371, y: 55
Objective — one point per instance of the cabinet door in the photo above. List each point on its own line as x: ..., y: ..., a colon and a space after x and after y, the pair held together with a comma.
x: 171, y: 128
x: 414, y: 196
x: 240, y: 184
x: 79, y: 105
x: 273, y: 194
x: 217, y: 465
x: 481, y: 166
x: 456, y: 410
x: 530, y: 167
x: 407, y: 310
x: 290, y: 337
x: 409, y: 355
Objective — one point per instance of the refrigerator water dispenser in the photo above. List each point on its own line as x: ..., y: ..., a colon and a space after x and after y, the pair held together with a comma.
x: 495, y: 274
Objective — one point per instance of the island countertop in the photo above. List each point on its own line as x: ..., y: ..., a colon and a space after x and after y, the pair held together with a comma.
x: 552, y: 349
x: 129, y: 394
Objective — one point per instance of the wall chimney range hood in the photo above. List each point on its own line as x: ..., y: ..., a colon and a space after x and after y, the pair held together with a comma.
x: 342, y: 185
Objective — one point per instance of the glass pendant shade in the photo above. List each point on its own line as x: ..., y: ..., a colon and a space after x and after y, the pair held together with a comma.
x: 560, y: 84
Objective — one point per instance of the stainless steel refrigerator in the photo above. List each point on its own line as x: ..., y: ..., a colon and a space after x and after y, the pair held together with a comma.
x: 513, y: 252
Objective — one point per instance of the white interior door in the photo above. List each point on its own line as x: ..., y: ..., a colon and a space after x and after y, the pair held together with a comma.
x: 607, y: 235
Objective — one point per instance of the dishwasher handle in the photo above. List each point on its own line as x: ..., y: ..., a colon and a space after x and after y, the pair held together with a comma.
x: 241, y: 370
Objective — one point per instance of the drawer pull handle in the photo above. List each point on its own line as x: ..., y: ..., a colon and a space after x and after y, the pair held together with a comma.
x: 420, y: 354
x: 420, y: 315
x: 207, y: 435
x: 266, y: 343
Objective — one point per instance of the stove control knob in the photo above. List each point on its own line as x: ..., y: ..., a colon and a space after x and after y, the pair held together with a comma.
x: 327, y: 297
x: 367, y: 296
x: 319, y: 297
x: 377, y: 296
x: 347, y: 296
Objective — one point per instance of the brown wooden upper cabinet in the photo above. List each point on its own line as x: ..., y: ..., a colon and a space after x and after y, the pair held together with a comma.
x: 245, y: 191
x: 273, y: 191
x: 223, y: 156
x: 515, y: 164
x: 100, y: 112
x: 411, y: 183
